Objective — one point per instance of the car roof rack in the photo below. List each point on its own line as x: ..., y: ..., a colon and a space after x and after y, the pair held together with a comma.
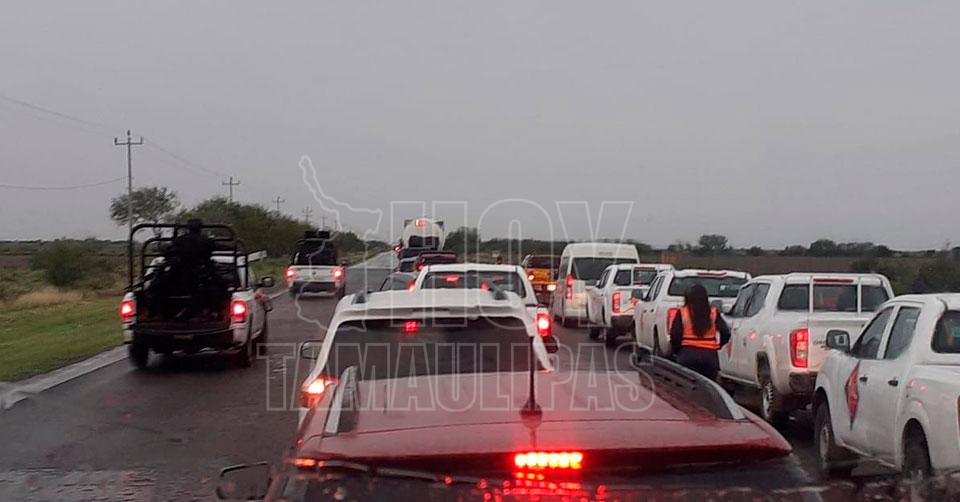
x: 692, y: 386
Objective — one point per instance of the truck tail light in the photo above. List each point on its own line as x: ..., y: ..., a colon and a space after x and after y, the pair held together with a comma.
x: 238, y: 311
x: 569, y: 292
x: 411, y: 326
x: 311, y: 393
x: 128, y: 309
x: 566, y: 460
x: 530, y: 276
x: 671, y: 315
x: 290, y: 274
x: 615, y: 302
x: 338, y: 273
x: 799, y: 345
x: 544, y: 324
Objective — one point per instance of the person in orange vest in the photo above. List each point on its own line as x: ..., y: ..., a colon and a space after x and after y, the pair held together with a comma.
x: 694, y: 333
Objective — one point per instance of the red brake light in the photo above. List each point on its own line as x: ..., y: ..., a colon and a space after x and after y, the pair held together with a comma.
x: 799, y: 344
x: 338, y: 273
x: 530, y: 276
x: 544, y: 325
x: 238, y: 311
x: 569, y: 460
x: 615, y: 300
x: 310, y: 394
x: 451, y: 279
x: 419, y: 222
x: 127, y: 309
x: 569, y: 293
x: 671, y: 315
x: 305, y: 463
x: 410, y: 326
x: 291, y: 273
x: 419, y: 267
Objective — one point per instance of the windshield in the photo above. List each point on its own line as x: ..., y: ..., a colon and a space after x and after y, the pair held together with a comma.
x: 315, y: 254
x: 718, y: 287
x: 507, y: 281
x: 399, y: 348
x: 589, y: 269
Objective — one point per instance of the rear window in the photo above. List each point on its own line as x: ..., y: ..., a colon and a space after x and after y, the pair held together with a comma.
x: 831, y: 298
x: 717, y: 287
x: 507, y: 281
x: 543, y: 261
x: 398, y: 348
x: 946, y: 338
x: 589, y: 269
x: 635, y: 277
x: 324, y: 254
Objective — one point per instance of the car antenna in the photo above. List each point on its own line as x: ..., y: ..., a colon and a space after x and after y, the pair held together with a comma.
x: 531, y: 409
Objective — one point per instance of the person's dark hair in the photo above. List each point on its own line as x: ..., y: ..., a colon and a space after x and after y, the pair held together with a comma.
x: 696, y: 298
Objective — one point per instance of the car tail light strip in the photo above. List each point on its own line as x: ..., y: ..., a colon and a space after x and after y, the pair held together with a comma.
x: 799, y: 347
x: 238, y: 311
x: 615, y: 302
x: 128, y: 309
x: 544, y: 324
x: 569, y: 292
x: 536, y: 460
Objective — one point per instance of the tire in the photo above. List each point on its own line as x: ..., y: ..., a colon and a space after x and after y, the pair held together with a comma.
x: 656, y: 344
x: 247, y: 353
x: 771, y: 404
x: 593, y: 333
x: 916, y: 455
x: 341, y: 292
x: 264, y: 335
x: 833, y: 460
x: 609, y: 337
x: 138, y: 355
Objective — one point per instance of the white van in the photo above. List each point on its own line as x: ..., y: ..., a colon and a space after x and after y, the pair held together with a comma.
x: 581, y: 264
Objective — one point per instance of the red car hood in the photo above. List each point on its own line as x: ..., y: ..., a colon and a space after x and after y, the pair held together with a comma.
x: 584, y: 411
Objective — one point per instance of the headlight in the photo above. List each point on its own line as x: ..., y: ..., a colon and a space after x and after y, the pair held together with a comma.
x: 551, y: 287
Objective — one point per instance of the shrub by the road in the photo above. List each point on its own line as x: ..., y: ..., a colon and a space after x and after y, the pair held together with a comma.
x: 70, y: 263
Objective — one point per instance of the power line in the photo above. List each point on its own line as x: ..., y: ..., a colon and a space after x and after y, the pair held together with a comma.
x: 42, y: 109
x: 61, y: 187
x: 129, y: 143
x: 181, y: 159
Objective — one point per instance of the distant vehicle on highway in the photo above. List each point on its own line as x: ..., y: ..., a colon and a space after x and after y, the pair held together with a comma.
x: 488, y: 277
x: 315, y: 267
x: 423, y: 233
x: 654, y: 315
x: 434, y: 258
x: 778, y: 326
x: 581, y: 264
x: 893, y: 395
x: 398, y: 280
x: 611, y: 302
x: 196, y: 291
x: 542, y: 272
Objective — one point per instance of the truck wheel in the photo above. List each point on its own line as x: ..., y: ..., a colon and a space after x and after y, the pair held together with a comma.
x: 771, y: 403
x: 609, y: 337
x: 832, y: 459
x: 247, y: 353
x: 656, y: 344
x: 265, y: 333
x: 916, y: 455
x: 341, y: 292
x: 138, y: 355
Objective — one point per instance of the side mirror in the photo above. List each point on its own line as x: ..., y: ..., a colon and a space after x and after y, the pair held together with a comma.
x: 310, y: 349
x: 838, y: 340
x: 266, y: 282
x: 244, y: 482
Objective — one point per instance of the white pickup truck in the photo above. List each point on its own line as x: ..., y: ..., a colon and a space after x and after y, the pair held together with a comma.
x: 655, y: 313
x: 778, y: 326
x: 611, y: 302
x: 894, y: 396
x: 315, y: 268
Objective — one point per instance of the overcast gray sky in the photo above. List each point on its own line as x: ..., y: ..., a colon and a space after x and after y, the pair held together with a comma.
x: 771, y: 122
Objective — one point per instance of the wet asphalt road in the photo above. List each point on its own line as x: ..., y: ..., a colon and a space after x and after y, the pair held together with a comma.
x: 164, y: 433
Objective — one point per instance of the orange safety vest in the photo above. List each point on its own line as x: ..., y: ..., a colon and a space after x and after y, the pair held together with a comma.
x: 706, y: 341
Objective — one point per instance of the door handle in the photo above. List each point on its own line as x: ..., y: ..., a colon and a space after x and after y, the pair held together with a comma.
x: 863, y: 378
x: 893, y: 382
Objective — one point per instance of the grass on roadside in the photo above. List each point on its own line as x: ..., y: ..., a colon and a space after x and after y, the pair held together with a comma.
x: 36, y: 336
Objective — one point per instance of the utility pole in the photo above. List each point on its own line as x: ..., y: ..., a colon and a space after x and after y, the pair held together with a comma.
x: 129, y: 144
x: 278, y: 201
x: 307, y: 213
x: 231, y: 184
